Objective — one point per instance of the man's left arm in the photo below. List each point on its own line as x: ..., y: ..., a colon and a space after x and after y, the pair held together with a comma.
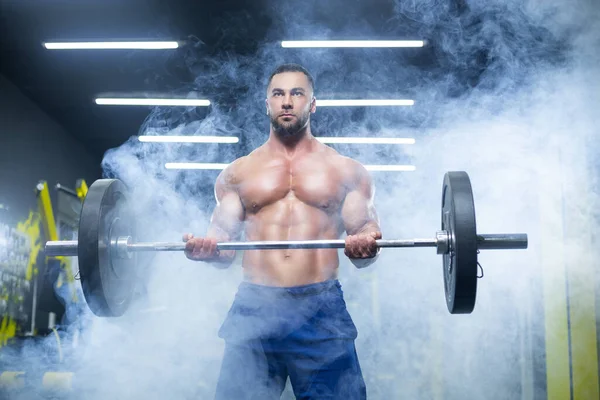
x: 360, y: 219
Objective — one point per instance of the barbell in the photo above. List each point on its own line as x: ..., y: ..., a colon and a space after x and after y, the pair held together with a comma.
x: 107, y: 251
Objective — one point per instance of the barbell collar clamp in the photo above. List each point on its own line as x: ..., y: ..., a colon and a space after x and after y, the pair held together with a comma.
x: 442, y: 242
x: 122, y: 246
x: 68, y: 248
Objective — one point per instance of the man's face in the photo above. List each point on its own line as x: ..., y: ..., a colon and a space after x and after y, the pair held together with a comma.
x: 289, y: 103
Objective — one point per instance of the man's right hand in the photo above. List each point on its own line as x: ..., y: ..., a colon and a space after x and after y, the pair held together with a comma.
x: 200, y: 249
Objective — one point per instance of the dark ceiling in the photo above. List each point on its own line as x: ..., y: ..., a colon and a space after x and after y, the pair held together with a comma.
x: 65, y: 83
x: 233, y: 44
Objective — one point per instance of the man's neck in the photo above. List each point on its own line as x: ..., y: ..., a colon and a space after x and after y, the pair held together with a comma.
x: 301, y: 142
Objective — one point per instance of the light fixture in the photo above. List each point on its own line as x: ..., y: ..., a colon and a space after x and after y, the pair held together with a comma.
x: 364, y: 103
x: 391, y: 168
x: 152, y: 102
x: 219, y: 166
x: 365, y: 140
x: 142, y: 45
x: 351, y: 43
x: 188, y: 139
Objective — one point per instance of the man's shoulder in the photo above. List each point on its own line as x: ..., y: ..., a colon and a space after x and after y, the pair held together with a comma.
x: 333, y: 156
x: 235, y: 171
x: 351, y: 167
x: 241, y: 165
x: 354, y: 174
x: 231, y: 175
x: 237, y: 164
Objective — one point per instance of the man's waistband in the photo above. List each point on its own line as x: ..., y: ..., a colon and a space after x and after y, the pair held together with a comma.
x: 293, y: 291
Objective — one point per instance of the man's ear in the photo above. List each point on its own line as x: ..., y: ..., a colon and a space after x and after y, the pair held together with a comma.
x: 267, y: 105
x: 313, y: 105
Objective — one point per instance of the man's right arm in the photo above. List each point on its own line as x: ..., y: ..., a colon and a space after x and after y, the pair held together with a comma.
x: 225, y: 224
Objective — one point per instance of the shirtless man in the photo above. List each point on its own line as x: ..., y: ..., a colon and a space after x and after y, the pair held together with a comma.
x: 289, y: 317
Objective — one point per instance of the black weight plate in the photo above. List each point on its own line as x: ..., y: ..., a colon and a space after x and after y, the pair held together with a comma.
x: 460, y: 262
x: 107, y: 280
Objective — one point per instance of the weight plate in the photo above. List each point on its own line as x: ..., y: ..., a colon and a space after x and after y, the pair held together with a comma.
x: 460, y: 262
x: 107, y: 280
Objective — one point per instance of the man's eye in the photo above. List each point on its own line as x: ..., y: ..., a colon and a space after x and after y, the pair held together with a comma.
x: 297, y: 93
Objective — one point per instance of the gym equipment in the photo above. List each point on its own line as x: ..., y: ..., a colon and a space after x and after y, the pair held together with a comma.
x: 107, y: 250
x: 45, y: 382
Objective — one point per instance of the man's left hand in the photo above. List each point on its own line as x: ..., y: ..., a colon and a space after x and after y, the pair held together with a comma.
x: 362, y: 245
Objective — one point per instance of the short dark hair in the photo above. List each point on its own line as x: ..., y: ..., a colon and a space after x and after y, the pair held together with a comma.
x: 292, y: 68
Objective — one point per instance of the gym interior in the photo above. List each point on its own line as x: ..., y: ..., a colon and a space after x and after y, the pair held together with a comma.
x: 506, y: 91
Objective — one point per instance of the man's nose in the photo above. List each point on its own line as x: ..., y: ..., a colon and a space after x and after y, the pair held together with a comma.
x: 287, y: 102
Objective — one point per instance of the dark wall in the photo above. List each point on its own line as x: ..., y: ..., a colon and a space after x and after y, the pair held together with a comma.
x: 34, y: 147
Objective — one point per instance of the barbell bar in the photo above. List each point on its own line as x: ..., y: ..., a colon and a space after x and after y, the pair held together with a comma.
x: 107, y: 249
x: 123, y: 245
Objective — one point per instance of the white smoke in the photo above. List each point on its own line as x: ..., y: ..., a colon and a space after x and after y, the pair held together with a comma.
x: 506, y: 91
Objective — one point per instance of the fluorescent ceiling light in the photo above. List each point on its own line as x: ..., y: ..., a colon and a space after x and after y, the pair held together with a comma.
x: 110, y: 45
x: 218, y: 166
x: 391, y: 168
x: 195, y: 166
x: 351, y: 43
x: 365, y: 140
x: 188, y: 139
x: 360, y: 103
x: 152, y: 102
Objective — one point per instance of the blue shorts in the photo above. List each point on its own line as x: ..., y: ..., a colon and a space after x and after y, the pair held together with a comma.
x: 303, y: 332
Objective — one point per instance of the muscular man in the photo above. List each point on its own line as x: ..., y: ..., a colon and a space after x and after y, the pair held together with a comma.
x: 289, y: 317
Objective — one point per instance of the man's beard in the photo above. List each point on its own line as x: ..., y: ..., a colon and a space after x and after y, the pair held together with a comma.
x: 289, y: 129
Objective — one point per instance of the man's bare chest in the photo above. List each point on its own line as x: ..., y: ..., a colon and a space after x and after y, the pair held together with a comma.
x: 314, y: 183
